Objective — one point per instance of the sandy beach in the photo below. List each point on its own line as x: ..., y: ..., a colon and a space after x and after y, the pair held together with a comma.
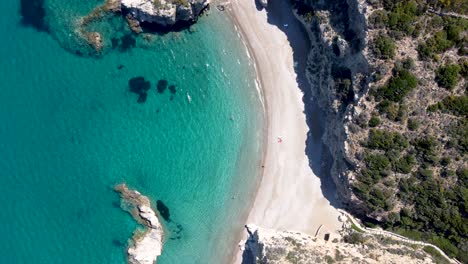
x: 289, y: 196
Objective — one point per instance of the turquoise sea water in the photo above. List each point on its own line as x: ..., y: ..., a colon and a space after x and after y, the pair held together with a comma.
x: 70, y: 130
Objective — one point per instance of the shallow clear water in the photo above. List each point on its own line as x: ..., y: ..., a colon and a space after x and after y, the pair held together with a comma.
x: 70, y: 130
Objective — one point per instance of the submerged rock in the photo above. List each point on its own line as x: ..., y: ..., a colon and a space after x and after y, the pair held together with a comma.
x: 146, y: 245
x: 33, y: 14
x: 165, y: 13
x: 163, y: 210
x: 139, y: 86
x: 161, y: 86
x: 94, y: 39
x: 172, y: 89
x: 133, y: 23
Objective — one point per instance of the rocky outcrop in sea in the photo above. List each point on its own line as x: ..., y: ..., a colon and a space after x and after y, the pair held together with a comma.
x: 164, y: 13
x: 146, y: 244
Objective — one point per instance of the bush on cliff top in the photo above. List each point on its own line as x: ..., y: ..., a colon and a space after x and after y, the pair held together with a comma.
x: 447, y: 76
x: 384, y: 47
x: 456, y: 105
x: 380, y: 139
x: 401, y: 84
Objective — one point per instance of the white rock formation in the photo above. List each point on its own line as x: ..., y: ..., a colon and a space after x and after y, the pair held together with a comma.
x: 165, y: 13
x: 280, y: 247
x: 146, y: 250
x: 263, y: 3
x: 147, y: 245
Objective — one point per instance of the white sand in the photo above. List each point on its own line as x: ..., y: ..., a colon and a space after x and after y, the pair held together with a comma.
x: 289, y: 196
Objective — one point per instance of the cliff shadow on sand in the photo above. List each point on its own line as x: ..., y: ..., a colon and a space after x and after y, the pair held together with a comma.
x: 280, y: 14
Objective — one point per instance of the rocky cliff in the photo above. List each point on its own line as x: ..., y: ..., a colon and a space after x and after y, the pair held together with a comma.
x: 146, y: 244
x: 165, y: 13
x: 338, y: 73
x: 271, y: 246
x: 391, y: 77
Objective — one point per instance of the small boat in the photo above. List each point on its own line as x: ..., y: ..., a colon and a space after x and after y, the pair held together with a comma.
x: 189, y: 98
x: 286, y: 25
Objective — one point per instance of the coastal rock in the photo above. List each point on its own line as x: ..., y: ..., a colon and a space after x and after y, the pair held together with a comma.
x: 133, y: 24
x: 165, y: 13
x: 146, y: 245
x: 263, y: 3
x: 275, y: 247
x: 94, y: 39
x: 333, y: 59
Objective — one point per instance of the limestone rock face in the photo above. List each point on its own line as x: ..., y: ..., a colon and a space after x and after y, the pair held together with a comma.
x: 263, y: 3
x: 280, y: 247
x: 165, y: 13
x: 147, y: 245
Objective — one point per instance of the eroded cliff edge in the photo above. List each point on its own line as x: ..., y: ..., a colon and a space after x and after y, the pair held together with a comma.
x: 146, y: 244
x: 275, y: 247
x: 391, y: 78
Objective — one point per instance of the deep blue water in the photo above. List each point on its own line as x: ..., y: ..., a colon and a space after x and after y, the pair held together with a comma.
x: 70, y: 130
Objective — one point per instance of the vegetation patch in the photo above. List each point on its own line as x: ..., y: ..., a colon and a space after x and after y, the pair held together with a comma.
x: 447, y: 76
x: 400, y: 84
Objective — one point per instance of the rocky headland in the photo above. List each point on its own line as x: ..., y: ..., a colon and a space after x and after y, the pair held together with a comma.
x: 160, y: 16
x: 165, y: 14
x: 275, y: 247
x: 146, y: 244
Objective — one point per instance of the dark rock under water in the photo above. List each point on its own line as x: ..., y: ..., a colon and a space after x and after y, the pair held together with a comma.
x: 127, y: 42
x: 139, y: 86
x: 172, y: 89
x: 163, y: 210
x: 161, y: 86
x: 33, y: 14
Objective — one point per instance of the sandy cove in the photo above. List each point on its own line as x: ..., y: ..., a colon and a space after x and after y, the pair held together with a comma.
x: 289, y: 196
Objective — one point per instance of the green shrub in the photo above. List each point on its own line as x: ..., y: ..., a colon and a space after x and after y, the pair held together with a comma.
x: 380, y: 139
x: 464, y: 68
x: 413, y: 124
x: 354, y: 238
x: 384, y: 47
x: 436, y: 255
x: 445, y: 161
x: 453, y: 32
x: 401, y: 83
x: 434, y: 45
x: 447, y: 76
x: 445, y: 245
x: 378, y: 19
x: 181, y: 2
x: 374, y: 121
x: 459, y: 136
x: 405, y: 164
x: 426, y: 148
x: 376, y: 162
x: 402, y: 16
x: 456, y: 105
